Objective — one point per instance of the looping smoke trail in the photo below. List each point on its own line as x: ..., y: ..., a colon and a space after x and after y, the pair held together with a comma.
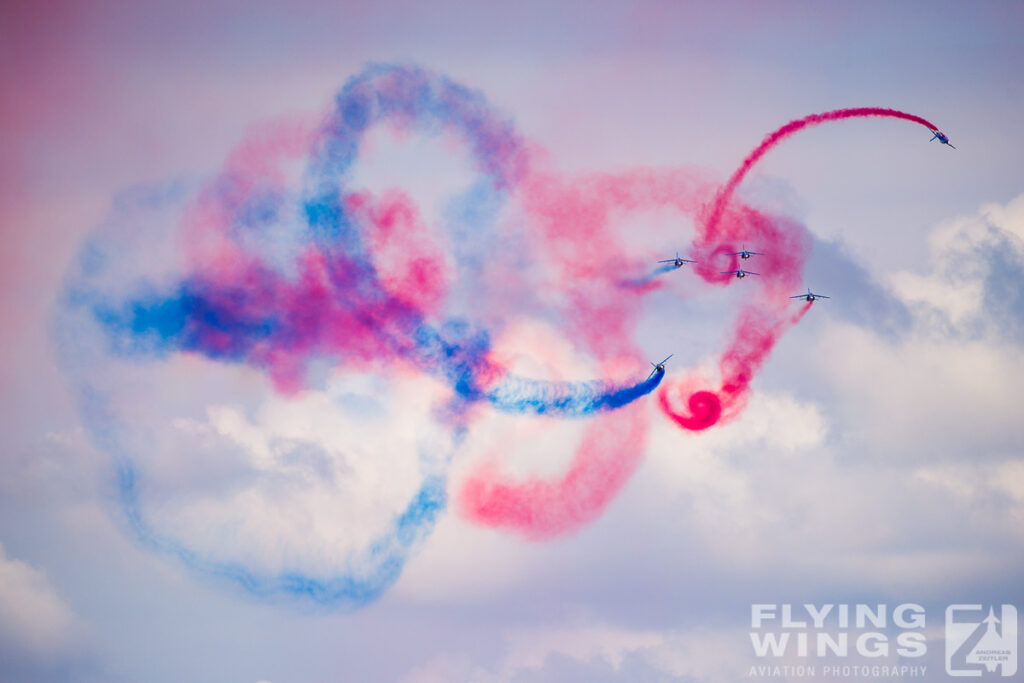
x: 755, y: 334
x: 539, y: 509
x: 758, y: 329
x: 412, y: 98
x: 277, y: 280
x: 256, y: 273
x: 380, y: 564
x: 575, y: 220
x: 703, y: 410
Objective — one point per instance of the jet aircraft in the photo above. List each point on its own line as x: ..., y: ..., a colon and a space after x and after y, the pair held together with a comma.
x: 744, y: 254
x: 942, y: 138
x: 740, y: 272
x: 810, y: 296
x: 677, y: 261
x: 659, y: 368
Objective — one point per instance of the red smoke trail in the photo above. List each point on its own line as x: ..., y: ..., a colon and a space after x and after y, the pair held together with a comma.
x: 575, y: 227
x: 763, y: 318
x: 257, y: 166
x: 756, y: 334
x: 406, y: 255
x: 574, y: 224
x: 774, y: 138
x: 541, y: 509
x: 226, y: 253
x: 759, y: 324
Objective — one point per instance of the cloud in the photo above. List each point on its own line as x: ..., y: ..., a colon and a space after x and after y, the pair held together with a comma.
x: 977, y: 264
x: 947, y: 387
x: 727, y: 475
x: 898, y: 444
x: 598, y: 651
x: 862, y: 300
x: 923, y: 397
x: 295, y: 483
x: 37, y: 627
x: 877, y: 457
x: 996, y: 485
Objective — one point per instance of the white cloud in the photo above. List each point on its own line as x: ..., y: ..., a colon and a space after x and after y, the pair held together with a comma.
x: 957, y: 300
x: 881, y: 483
x: 890, y: 486
x: 922, y: 453
x: 726, y: 471
x: 960, y: 253
x: 707, y: 655
x: 465, y: 563
x: 981, y: 485
x: 240, y: 473
x: 921, y: 397
x: 951, y: 387
x: 778, y: 423
x: 34, y: 619
x: 445, y: 668
x: 530, y: 649
x: 1008, y: 217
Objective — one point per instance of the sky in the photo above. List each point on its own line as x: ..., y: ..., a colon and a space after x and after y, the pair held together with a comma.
x: 299, y: 387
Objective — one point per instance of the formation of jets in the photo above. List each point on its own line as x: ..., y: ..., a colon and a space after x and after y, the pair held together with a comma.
x: 744, y: 253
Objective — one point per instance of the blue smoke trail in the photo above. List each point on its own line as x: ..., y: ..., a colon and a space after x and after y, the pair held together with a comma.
x: 184, y: 320
x: 641, y: 282
x: 383, y: 560
x: 231, y: 323
x: 376, y: 567
x: 566, y: 399
x: 410, y: 96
